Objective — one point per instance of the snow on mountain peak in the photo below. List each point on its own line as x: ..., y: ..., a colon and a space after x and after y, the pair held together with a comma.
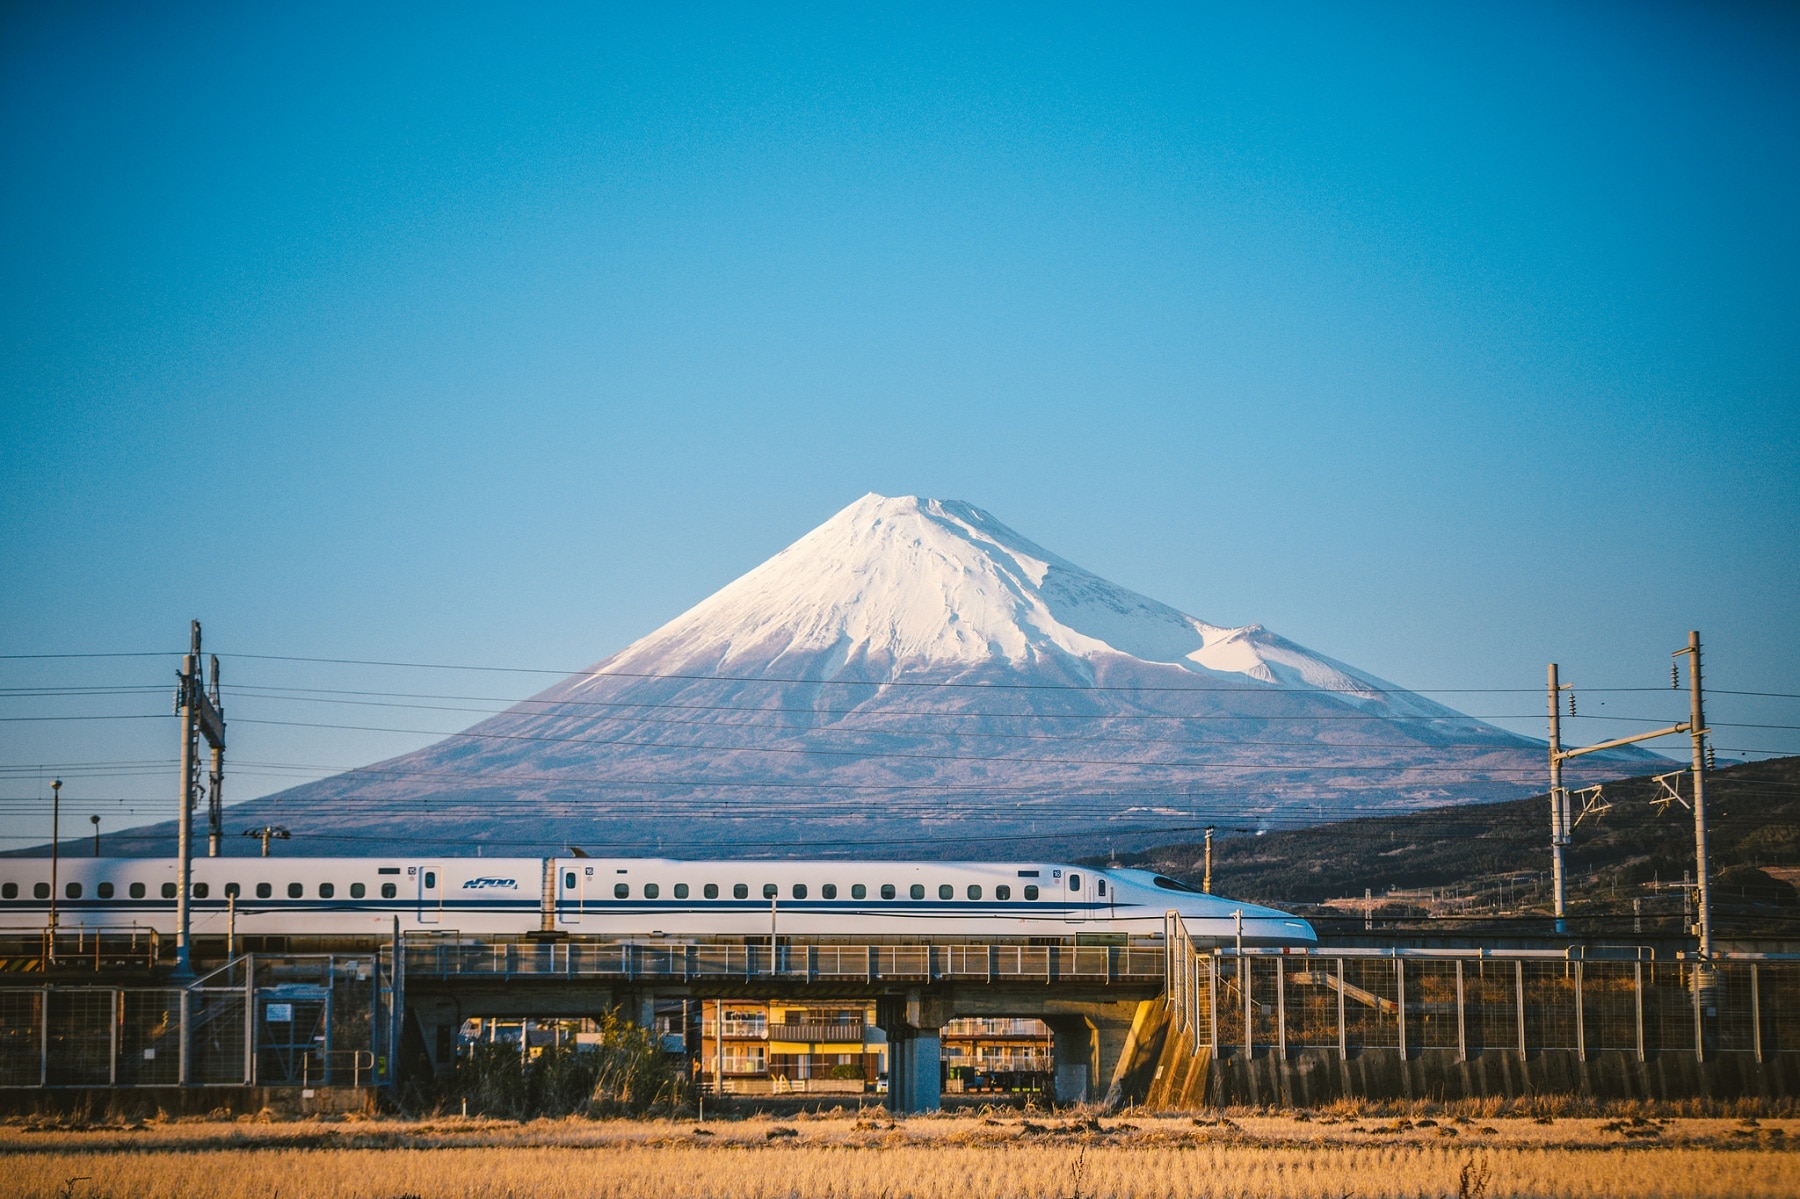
x: 893, y: 584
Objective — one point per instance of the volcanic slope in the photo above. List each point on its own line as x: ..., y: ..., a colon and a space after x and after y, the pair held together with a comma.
x: 912, y: 677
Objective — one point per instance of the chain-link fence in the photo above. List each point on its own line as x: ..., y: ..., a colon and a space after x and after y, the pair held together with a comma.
x: 1522, y: 1001
x: 290, y: 1021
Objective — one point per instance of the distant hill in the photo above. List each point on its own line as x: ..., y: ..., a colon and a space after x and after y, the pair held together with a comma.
x: 1492, y: 859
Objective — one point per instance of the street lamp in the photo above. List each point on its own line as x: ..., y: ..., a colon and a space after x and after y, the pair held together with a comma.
x: 95, y: 821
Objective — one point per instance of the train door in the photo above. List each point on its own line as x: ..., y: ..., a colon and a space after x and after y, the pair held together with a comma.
x: 431, y: 894
x: 1078, y: 887
x: 572, y: 892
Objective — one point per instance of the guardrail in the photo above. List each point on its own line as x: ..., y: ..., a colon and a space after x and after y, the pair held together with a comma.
x: 633, y: 961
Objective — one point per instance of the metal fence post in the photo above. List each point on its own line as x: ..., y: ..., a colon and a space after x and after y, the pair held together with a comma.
x: 1637, y: 994
x: 1755, y: 1014
x: 112, y: 1040
x: 1343, y: 1035
x: 181, y: 1044
x: 43, y: 1036
x: 1400, y: 1001
x: 1212, y: 1005
x: 1580, y: 1018
x: 1243, y: 965
x: 249, y: 1023
x: 1281, y: 1007
x: 1699, y: 1025
x: 1462, y: 1023
x: 1519, y: 1003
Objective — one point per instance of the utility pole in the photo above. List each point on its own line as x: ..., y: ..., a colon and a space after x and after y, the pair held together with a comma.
x: 1206, y: 882
x: 1698, y: 730
x: 55, y: 835
x: 215, y: 794
x: 1559, y: 806
x: 1695, y: 725
x: 95, y: 821
x: 200, y: 715
x: 266, y: 833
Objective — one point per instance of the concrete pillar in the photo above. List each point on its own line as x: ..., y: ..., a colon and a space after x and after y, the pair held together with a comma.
x: 915, y: 1050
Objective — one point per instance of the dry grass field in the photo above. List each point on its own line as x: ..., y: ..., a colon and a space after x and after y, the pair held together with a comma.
x: 1001, y: 1155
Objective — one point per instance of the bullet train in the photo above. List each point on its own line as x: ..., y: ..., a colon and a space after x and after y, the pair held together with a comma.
x: 628, y: 897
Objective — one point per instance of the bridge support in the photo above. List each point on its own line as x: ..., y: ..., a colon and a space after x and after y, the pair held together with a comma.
x: 914, y: 1027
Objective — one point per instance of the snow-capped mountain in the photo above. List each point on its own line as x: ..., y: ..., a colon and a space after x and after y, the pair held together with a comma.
x: 913, y: 676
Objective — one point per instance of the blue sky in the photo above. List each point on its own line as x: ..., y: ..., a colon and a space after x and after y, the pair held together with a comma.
x: 1445, y: 340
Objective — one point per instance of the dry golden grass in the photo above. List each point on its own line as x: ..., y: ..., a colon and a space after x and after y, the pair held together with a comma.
x: 873, y: 1158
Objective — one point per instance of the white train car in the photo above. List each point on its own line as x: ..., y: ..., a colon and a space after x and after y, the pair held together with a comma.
x: 629, y: 897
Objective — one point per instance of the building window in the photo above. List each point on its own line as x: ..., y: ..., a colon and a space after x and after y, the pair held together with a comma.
x: 710, y: 891
x: 887, y: 890
x: 388, y: 890
x: 327, y: 890
x: 974, y: 891
x: 232, y: 890
x: 740, y: 891
x: 621, y: 890
x: 829, y: 890
x: 104, y: 890
x: 769, y: 890
x: 296, y: 890
x: 72, y: 890
x: 917, y: 891
x: 137, y: 890
x: 357, y: 890
x: 1031, y: 891
x: 1003, y: 892
x: 201, y: 890
x: 681, y: 890
x: 858, y: 891
x: 799, y: 890
x: 264, y: 890
x: 651, y: 890
x: 40, y: 890
x: 168, y: 890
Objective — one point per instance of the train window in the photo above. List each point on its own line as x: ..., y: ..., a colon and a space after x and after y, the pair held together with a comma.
x: 1074, y: 882
x: 264, y: 890
x: 569, y: 881
x: 137, y: 890
x: 887, y: 890
x: 1028, y: 874
x: 1031, y: 891
x: 651, y: 890
x: 681, y: 890
x: 387, y: 870
x: 740, y: 891
x: 72, y: 890
x: 388, y: 890
x: 711, y: 890
x: 769, y: 890
x: 1003, y: 892
x: 40, y: 890
x: 858, y: 891
x: 917, y: 891
x: 168, y: 890
x: 327, y: 890
x: 201, y: 890
x: 621, y: 890
x: 9, y: 890
x: 295, y: 890
x: 946, y: 891
x: 232, y: 890
x: 974, y: 891
x: 828, y: 891
x: 1100, y: 885
x: 799, y: 890
x: 430, y: 879
x: 357, y: 890
x: 104, y: 890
